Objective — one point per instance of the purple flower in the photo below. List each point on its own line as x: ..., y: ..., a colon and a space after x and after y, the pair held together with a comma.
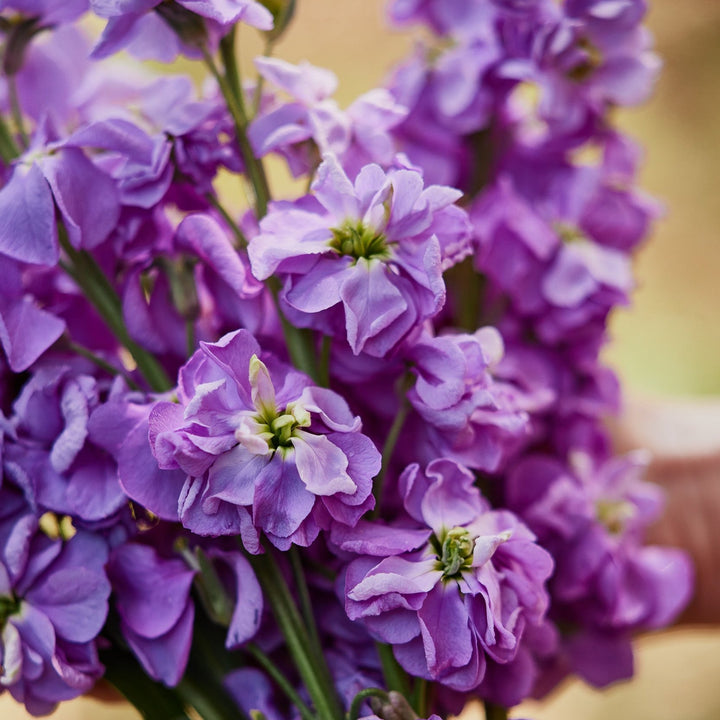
x: 53, y: 603
x: 592, y: 516
x: 50, y: 12
x: 56, y: 455
x: 312, y: 124
x: 362, y: 260
x: 152, y: 35
x: 152, y: 596
x: 553, y: 273
x: 456, y: 591
x: 49, y: 175
x: 465, y: 413
x: 251, y: 446
x: 26, y: 329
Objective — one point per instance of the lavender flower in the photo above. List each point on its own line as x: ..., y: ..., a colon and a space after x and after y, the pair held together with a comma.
x: 592, y: 515
x: 456, y: 591
x: 53, y: 603
x: 312, y: 124
x: 153, y: 35
x: 465, y: 413
x: 260, y: 449
x: 26, y: 329
x: 56, y: 455
x: 362, y: 261
x: 54, y: 174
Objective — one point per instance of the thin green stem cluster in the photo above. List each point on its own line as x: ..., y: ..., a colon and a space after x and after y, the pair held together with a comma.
x: 300, y: 639
x: 231, y: 89
x: 88, y: 275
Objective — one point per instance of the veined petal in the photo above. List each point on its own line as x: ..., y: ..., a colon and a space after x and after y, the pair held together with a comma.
x: 282, y: 501
x: 396, y: 574
x: 322, y: 466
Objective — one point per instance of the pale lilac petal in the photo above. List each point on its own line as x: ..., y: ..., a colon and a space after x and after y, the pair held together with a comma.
x: 247, y: 614
x: 303, y: 81
x: 368, y: 538
x: 334, y: 190
x: 397, y: 575
x: 321, y: 465
x: 141, y: 478
x: 73, y: 179
x: 26, y: 332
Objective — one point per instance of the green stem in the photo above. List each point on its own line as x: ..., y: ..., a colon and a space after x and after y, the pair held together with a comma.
x: 324, y: 371
x: 92, y: 281
x: 152, y: 700
x: 360, y: 698
x: 290, y: 623
x: 190, y: 337
x: 16, y: 111
x: 495, y: 712
x: 229, y: 84
x: 395, y: 677
x: 419, y: 697
x: 466, y: 286
x: 257, y: 99
x: 230, y: 64
x: 202, y: 684
x: 209, y: 698
x: 280, y: 680
x: 100, y: 362
x: 240, y: 238
x: 390, y: 443
x: 9, y: 149
x: 299, y: 341
x: 305, y: 601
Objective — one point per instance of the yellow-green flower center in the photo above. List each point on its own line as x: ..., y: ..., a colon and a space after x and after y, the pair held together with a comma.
x: 8, y: 606
x: 454, y: 552
x: 356, y: 240
x: 569, y: 233
x: 613, y: 514
x: 278, y: 429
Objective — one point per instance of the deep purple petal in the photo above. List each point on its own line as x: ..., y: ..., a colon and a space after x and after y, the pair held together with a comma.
x: 141, y: 478
x: 165, y: 657
x: 151, y: 592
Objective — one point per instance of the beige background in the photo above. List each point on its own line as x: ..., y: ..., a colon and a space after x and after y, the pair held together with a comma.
x: 668, y: 343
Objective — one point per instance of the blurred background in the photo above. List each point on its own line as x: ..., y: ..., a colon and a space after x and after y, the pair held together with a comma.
x: 668, y: 343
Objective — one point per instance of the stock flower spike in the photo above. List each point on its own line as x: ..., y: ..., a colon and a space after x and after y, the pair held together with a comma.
x: 338, y: 453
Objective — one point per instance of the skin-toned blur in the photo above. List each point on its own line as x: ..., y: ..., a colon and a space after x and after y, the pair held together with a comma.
x: 666, y: 345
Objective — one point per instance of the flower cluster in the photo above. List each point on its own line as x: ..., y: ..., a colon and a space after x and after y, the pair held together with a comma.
x: 340, y: 454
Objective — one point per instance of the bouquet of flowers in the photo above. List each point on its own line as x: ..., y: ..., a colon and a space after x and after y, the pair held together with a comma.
x: 341, y: 455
